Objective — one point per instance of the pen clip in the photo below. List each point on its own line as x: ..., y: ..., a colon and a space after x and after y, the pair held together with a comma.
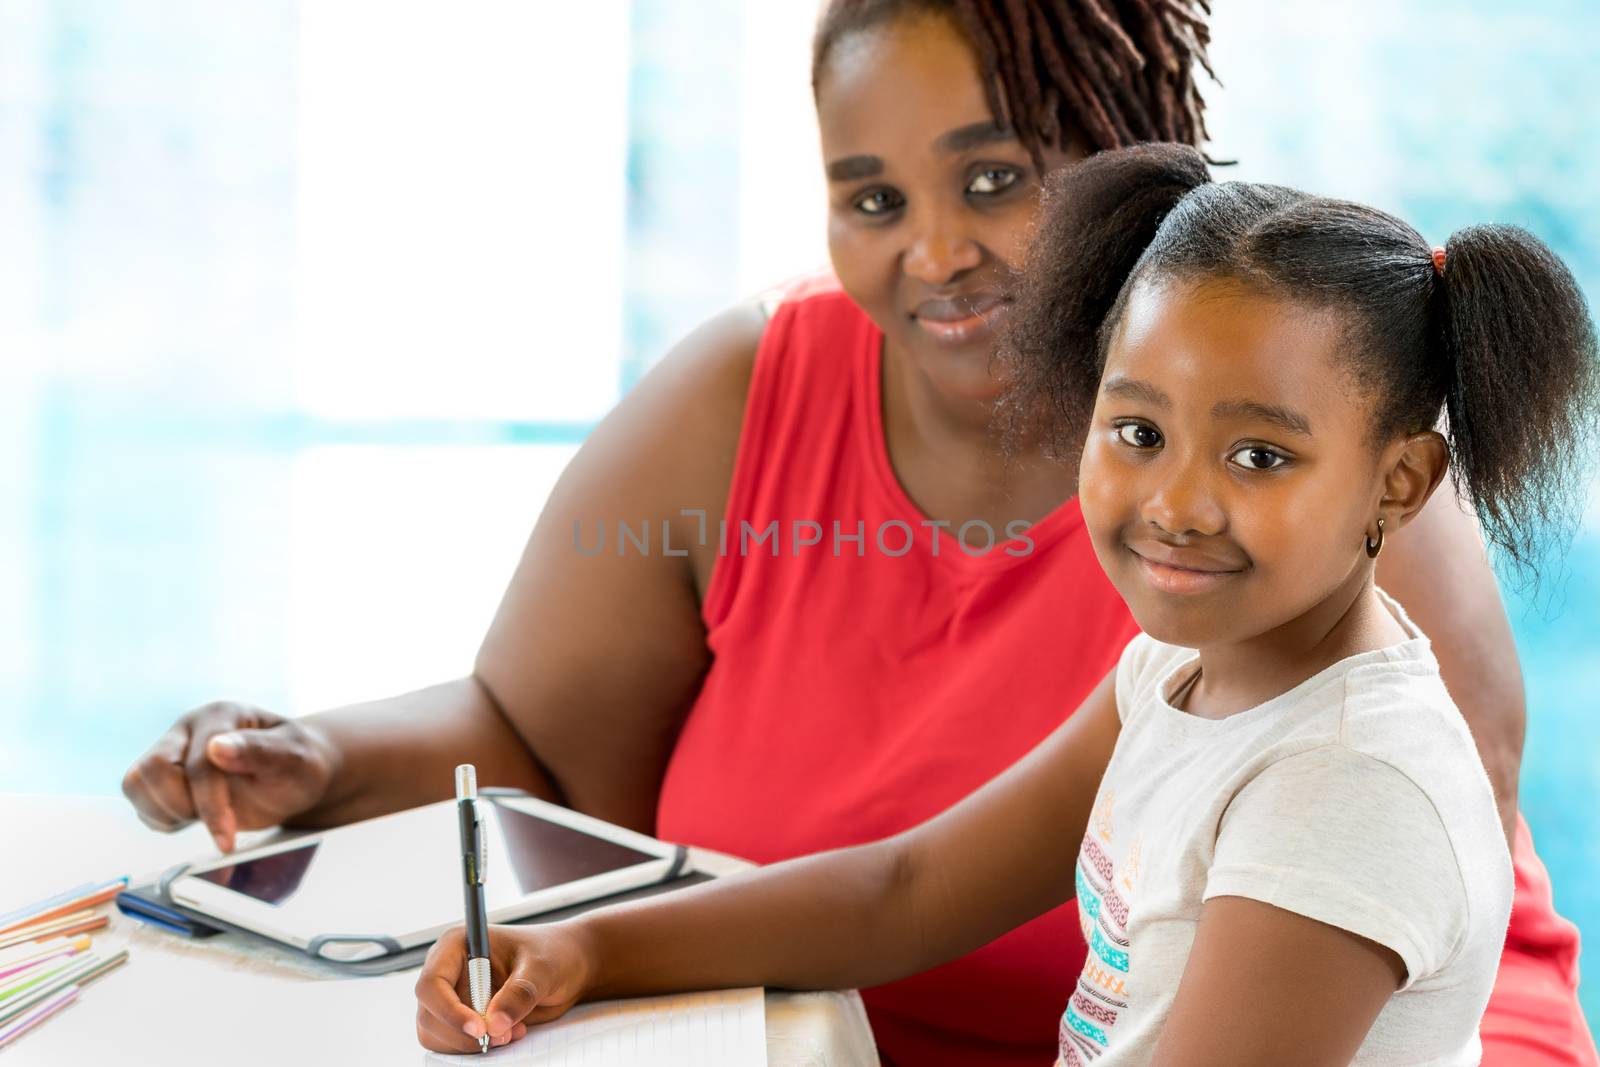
x: 482, y: 840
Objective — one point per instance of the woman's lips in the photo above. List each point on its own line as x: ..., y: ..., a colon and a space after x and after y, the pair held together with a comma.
x: 1175, y: 574
x: 958, y: 322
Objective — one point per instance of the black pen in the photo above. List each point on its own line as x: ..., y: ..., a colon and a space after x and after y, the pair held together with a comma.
x: 473, y: 854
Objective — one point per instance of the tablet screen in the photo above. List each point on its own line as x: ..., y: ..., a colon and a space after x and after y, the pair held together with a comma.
x: 270, y: 879
x: 533, y: 854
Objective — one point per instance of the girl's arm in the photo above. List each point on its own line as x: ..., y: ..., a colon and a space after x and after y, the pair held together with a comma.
x: 853, y: 917
x: 1264, y: 986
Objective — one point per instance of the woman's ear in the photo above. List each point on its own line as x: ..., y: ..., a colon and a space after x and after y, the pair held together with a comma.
x: 1415, y: 467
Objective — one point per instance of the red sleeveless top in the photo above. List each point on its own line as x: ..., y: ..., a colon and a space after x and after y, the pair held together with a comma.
x: 869, y: 671
x: 859, y: 687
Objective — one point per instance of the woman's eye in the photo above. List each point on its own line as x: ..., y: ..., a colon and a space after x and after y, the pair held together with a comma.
x: 1139, y: 435
x: 994, y: 180
x: 1256, y: 458
x: 879, y: 202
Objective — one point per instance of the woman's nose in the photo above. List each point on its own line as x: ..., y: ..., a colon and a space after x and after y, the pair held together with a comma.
x: 1183, y: 503
x: 939, y: 253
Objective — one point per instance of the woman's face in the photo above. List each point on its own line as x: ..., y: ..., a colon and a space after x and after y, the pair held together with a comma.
x: 929, y: 202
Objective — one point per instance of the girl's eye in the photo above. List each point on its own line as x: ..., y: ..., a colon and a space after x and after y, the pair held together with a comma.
x: 879, y: 202
x: 993, y: 180
x: 1139, y: 435
x: 1256, y: 458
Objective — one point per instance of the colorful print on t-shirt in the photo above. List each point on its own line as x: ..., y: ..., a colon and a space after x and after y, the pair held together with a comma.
x: 1102, y: 991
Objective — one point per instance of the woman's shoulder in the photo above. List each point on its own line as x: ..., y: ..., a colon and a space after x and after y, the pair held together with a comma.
x: 712, y: 367
x: 677, y: 432
x: 708, y: 373
x: 812, y: 308
x: 669, y: 443
x: 812, y: 290
x: 699, y: 386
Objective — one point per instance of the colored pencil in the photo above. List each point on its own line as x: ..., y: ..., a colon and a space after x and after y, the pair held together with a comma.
x: 49, y: 902
x: 15, y: 959
x: 107, y: 963
x: 10, y: 1032
x: 96, y: 922
x: 41, y: 972
x: 18, y: 1006
x: 66, y: 926
x: 45, y: 955
x: 51, y: 909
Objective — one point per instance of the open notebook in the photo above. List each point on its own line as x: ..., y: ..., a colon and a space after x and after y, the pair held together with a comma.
x: 723, y: 1028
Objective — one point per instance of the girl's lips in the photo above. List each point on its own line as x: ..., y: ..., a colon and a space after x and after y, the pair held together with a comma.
x: 1182, y: 580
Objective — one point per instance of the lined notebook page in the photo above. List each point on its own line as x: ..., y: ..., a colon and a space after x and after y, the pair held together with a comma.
x: 722, y: 1028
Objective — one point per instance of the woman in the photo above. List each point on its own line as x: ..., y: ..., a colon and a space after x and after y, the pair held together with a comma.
x: 861, y: 664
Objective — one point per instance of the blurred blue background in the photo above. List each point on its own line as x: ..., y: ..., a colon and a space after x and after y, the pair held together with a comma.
x: 304, y: 307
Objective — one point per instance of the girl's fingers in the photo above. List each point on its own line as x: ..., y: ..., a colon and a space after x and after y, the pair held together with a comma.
x: 438, y: 987
x: 439, y: 1036
x: 452, y: 1014
x: 447, y: 1023
x: 536, y: 989
x: 514, y: 1000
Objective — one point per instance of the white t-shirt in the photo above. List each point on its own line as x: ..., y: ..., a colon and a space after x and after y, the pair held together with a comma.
x: 1355, y: 798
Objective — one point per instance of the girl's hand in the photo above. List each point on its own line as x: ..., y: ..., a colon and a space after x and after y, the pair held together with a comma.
x: 538, y: 973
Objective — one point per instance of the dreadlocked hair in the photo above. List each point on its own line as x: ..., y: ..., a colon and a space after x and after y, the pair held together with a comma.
x: 1111, y: 72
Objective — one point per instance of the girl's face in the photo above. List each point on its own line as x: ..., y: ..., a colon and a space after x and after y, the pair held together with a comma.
x: 929, y: 203
x: 1228, y: 481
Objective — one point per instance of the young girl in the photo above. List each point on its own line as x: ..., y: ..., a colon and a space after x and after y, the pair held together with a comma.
x: 1282, y: 843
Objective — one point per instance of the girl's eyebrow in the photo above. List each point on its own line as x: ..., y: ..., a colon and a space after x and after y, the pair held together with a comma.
x: 1285, y: 419
x: 1135, y: 389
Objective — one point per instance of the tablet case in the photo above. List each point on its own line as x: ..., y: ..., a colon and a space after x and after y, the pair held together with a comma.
x: 152, y: 903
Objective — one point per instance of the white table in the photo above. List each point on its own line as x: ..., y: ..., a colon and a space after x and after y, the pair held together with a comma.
x: 224, y: 999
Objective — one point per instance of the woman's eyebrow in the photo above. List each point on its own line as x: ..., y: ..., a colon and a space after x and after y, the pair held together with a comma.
x: 1286, y: 419
x: 852, y: 168
x: 960, y: 139
x: 976, y: 135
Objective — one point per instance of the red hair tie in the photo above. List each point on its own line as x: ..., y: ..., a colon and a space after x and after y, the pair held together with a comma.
x: 1438, y: 260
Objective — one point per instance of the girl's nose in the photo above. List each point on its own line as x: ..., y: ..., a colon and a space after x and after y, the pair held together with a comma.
x: 939, y: 254
x: 1184, y: 504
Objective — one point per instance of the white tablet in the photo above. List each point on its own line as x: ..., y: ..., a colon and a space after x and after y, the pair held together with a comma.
x: 394, y: 882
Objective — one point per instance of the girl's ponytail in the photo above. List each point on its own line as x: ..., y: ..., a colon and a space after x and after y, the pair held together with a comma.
x: 1519, y: 356
x: 1495, y: 330
x: 1098, y: 218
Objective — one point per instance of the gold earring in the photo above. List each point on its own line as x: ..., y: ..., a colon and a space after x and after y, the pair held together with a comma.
x: 1374, y: 549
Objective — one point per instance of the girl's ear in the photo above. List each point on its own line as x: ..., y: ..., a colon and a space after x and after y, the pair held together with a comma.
x: 1416, y: 466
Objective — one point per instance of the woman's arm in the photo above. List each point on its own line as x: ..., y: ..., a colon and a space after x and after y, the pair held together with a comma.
x: 1438, y: 570
x: 595, y: 659
x: 854, y: 917
x: 582, y: 681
